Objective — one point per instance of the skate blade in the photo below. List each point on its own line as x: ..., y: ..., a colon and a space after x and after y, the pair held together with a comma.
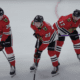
x: 13, y: 75
x: 33, y: 70
x: 53, y: 75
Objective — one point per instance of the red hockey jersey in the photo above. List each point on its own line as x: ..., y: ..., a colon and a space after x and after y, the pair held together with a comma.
x: 4, y: 28
x: 47, y: 34
x: 66, y: 24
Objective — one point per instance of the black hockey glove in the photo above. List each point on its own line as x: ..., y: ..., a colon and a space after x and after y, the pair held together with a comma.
x: 37, y: 54
x: 37, y: 36
x: 2, y: 45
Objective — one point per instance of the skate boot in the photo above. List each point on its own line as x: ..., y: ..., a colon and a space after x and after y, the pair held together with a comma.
x: 55, y: 71
x: 34, y: 66
x: 58, y: 63
x: 78, y: 56
x: 12, y: 71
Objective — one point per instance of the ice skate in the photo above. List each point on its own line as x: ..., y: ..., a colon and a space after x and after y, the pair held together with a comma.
x: 33, y: 67
x: 78, y: 56
x: 12, y: 71
x: 55, y: 71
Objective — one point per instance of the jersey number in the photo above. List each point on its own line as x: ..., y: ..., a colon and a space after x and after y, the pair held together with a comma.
x: 62, y: 23
x: 47, y: 35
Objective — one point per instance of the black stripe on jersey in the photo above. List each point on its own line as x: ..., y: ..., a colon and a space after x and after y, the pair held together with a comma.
x: 54, y: 58
x: 58, y: 48
x: 52, y: 38
x: 65, y: 30
x: 62, y: 31
x: 60, y: 28
x: 77, y: 47
x: 11, y: 58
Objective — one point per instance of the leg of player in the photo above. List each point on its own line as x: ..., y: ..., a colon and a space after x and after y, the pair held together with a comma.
x: 54, y: 58
x: 59, y: 44
x: 11, y: 59
x: 54, y: 53
x: 76, y: 43
x: 38, y: 55
x: 10, y: 55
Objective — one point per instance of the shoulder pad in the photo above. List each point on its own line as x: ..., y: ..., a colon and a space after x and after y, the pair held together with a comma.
x: 6, y: 20
x: 69, y: 19
x: 45, y: 28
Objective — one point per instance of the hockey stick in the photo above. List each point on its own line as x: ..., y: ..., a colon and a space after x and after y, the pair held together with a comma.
x: 4, y: 52
x: 36, y: 61
x: 5, y: 56
x: 69, y: 35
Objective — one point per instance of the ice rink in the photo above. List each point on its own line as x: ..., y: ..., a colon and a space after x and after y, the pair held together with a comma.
x: 21, y: 13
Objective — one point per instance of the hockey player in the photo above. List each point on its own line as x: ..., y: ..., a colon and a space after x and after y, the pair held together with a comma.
x: 6, y: 40
x: 46, y: 35
x: 66, y: 25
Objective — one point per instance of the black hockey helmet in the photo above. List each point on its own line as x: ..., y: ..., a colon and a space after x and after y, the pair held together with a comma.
x: 38, y: 18
x: 76, y: 13
x: 1, y: 12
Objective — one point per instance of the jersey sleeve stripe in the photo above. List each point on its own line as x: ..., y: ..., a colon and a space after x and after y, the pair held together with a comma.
x: 62, y: 29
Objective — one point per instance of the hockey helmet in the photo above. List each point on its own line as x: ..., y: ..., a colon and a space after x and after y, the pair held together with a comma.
x: 1, y: 12
x: 38, y: 18
x: 76, y: 13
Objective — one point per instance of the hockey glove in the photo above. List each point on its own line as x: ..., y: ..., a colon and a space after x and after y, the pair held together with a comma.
x: 2, y: 45
x: 37, y: 54
x: 38, y: 36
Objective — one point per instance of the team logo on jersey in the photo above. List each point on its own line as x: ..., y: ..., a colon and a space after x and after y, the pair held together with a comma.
x: 44, y: 28
x: 69, y: 19
x: 32, y: 23
x: 71, y: 30
x: 6, y: 20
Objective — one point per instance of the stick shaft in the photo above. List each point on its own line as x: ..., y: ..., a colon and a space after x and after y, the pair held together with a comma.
x: 70, y: 35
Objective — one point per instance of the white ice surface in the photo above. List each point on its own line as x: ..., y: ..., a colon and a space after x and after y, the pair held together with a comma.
x: 21, y: 13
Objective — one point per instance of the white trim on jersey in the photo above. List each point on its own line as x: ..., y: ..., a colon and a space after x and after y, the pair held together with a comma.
x: 58, y: 48
x: 77, y: 46
x: 54, y: 58
x: 11, y: 57
x: 51, y: 39
x: 7, y: 33
x: 61, y: 30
